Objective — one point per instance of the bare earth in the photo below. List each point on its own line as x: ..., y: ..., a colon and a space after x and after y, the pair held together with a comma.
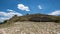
x: 31, y: 28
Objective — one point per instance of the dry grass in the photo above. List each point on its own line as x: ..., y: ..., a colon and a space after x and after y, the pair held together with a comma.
x: 31, y: 28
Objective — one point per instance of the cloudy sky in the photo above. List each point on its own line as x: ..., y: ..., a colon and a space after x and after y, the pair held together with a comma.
x: 9, y: 8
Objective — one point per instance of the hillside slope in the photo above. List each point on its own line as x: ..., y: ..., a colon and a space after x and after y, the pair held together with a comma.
x: 31, y: 24
x: 31, y: 28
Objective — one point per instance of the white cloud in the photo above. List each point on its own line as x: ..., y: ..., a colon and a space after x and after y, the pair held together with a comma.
x: 2, y: 19
x: 57, y: 12
x: 8, y: 15
x: 9, y: 10
x: 39, y: 6
x: 23, y: 7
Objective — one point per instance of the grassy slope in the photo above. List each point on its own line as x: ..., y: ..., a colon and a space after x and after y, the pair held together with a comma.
x: 27, y: 17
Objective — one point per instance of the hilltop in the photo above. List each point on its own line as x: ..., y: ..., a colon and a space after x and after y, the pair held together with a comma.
x: 34, y: 18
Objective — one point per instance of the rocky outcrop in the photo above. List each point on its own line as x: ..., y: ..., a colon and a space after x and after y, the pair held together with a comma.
x: 41, y: 19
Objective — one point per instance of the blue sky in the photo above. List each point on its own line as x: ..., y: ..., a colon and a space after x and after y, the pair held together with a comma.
x: 22, y: 7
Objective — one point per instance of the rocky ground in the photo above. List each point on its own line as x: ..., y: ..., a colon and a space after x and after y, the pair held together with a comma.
x: 31, y: 28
